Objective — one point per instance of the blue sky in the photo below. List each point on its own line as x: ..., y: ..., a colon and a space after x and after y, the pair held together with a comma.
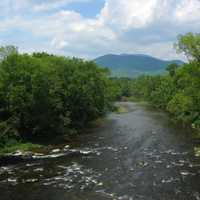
x: 90, y: 28
x: 88, y: 8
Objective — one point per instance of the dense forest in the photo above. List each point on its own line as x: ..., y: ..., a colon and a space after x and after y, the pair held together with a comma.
x: 178, y: 90
x: 45, y: 95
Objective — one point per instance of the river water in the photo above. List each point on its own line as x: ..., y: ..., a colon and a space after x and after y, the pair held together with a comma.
x: 138, y: 155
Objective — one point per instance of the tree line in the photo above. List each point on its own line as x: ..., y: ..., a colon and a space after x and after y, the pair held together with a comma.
x: 47, y: 95
x: 178, y: 90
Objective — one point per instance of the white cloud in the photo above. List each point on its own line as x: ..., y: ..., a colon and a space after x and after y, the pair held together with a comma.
x: 132, y: 26
x: 128, y: 14
x: 188, y: 11
x: 67, y: 29
x: 125, y: 14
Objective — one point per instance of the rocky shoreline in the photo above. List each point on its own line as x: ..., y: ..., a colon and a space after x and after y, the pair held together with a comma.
x: 20, y: 156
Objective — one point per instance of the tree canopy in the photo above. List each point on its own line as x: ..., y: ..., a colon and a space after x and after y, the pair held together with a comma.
x: 189, y: 44
x: 42, y: 94
x: 177, y: 92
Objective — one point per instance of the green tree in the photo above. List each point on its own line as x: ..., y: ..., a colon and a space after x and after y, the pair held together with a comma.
x: 44, y: 94
x: 172, y: 68
x: 7, y: 50
x: 179, y: 91
x: 190, y: 45
x: 181, y: 107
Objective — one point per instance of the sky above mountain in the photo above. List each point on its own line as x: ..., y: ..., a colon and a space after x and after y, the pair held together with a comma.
x: 90, y: 28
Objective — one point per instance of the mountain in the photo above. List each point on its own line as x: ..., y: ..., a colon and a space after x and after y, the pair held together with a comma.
x: 127, y: 65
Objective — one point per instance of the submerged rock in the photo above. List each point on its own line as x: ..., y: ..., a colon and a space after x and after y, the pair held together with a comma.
x: 18, y: 153
x: 55, y: 150
x: 66, y: 147
x: 12, y: 180
x: 30, y: 180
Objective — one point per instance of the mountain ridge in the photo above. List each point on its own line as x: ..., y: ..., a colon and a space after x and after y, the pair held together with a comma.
x: 130, y: 65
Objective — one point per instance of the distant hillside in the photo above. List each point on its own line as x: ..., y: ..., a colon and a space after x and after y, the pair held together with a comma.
x: 125, y: 65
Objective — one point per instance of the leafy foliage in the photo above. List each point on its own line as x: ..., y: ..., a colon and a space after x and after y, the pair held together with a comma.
x: 177, y: 92
x: 43, y: 94
x: 7, y: 50
x: 190, y: 45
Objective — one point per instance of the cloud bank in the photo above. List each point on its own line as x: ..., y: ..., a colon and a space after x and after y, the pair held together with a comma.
x: 121, y: 26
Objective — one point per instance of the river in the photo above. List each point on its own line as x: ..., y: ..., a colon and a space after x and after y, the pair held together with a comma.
x: 138, y: 155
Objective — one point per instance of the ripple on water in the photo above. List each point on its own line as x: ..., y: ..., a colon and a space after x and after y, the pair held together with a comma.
x: 40, y: 169
x: 74, y: 176
x: 186, y: 173
x: 170, y: 180
x: 86, y: 151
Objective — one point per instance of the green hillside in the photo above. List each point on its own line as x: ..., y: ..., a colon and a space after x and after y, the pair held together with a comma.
x: 125, y: 65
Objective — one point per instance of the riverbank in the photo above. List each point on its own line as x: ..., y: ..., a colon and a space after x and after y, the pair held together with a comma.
x: 150, y: 105
x: 21, y: 150
x: 19, y: 146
